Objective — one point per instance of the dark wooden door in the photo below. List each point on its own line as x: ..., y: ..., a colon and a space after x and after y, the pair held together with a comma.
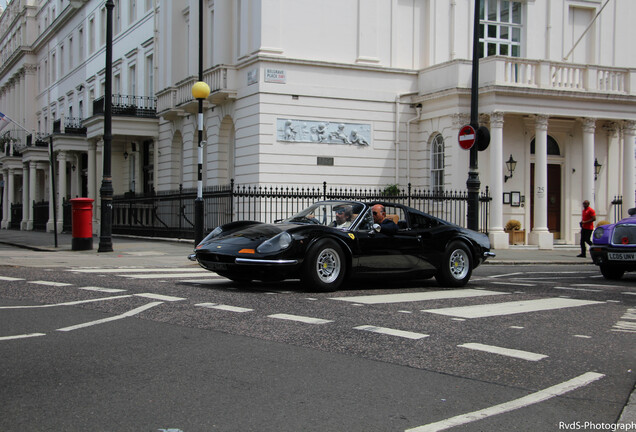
x: 554, y: 199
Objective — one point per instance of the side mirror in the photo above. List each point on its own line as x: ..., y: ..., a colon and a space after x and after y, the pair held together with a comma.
x: 376, y: 227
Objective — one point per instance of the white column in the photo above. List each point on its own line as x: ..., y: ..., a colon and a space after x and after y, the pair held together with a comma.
x: 587, y: 186
x: 498, y: 238
x: 32, y: 192
x: 629, y: 184
x: 25, y: 196
x: 61, y: 188
x: 540, y: 234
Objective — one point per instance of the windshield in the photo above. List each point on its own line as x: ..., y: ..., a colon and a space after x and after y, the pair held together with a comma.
x: 337, y: 214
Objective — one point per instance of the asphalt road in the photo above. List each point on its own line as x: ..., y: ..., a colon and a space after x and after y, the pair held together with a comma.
x: 534, y: 348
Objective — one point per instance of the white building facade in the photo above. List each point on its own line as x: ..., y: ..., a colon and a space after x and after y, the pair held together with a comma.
x: 363, y: 93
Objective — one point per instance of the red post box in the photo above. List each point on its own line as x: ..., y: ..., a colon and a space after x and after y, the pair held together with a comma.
x: 82, y: 223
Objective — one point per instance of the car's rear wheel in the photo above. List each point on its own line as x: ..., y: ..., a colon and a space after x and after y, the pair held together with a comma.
x: 325, y: 266
x: 612, y: 272
x: 456, y: 267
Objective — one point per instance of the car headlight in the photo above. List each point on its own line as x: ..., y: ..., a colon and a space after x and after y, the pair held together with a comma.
x: 277, y: 243
x: 598, y: 233
x: 215, y: 233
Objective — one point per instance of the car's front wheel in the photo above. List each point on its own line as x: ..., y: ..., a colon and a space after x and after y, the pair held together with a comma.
x: 611, y: 272
x: 456, y: 267
x: 325, y: 266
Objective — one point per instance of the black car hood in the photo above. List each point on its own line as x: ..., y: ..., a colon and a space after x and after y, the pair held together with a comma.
x: 249, y: 236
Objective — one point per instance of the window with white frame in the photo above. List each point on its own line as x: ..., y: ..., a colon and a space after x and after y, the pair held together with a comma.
x: 117, y: 17
x: 132, y: 11
x: 80, y: 41
x: 132, y: 80
x: 150, y: 76
x: 91, y: 35
x: 70, y: 53
x: 437, y: 163
x: 500, y: 28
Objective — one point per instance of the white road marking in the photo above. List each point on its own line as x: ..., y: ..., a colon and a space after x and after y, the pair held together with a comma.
x: 10, y: 279
x: 596, y: 285
x: 510, y: 308
x: 137, y: 270
x: 418, y: 296
x: 224, y: 307
x: 100, y: 289
x: 513, y: 283
x: 506, y: 275
x: 531, y: 399
x: 629, y: 293
x: 392, y: 332
x: 71, y: 303
x: 298, y: 318
x: 50, y: 283
x: 113, y: 318
x: 524, y: 355
x: 159, y: 297
x: 577, y: 289
x: 23, y: 336
x: 171, y: 275
x: 583, y: 336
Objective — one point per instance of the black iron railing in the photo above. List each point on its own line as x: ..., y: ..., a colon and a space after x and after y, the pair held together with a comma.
x: 171, y: 214
x: 127, y: 105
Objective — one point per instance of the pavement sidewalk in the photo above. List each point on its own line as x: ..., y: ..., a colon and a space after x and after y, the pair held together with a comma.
x: 39, y: 249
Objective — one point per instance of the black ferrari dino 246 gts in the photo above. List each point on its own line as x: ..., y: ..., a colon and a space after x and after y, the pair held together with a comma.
x: 330, y: 241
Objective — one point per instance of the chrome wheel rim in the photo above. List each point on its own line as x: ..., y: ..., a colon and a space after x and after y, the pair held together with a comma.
x: 328, y: 265
x: 459, y: 264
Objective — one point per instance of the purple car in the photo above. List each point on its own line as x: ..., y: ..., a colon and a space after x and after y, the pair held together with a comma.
x: 614, y: 247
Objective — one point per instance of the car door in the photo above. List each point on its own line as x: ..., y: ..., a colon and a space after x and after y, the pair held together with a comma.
x: 385, y: 253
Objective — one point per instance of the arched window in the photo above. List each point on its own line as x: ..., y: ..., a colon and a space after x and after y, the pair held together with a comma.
x: 437, y: 163
x: 553, y: 147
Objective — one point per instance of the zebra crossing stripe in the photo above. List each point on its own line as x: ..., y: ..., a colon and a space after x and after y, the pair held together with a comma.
x: 50, y: 283
x: 418, y: 296
x: 298, y: 318
x: 224, y: 307
x: 10, y: 279
x: 524, y: 355
x: 510, y: 308
x: 391, y: 332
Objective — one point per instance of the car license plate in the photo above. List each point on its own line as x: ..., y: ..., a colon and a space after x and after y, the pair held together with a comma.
x: 217, y: 266
x: 621, y: 256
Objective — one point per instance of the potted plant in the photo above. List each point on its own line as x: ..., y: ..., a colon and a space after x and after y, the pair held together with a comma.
x: 515, y: 234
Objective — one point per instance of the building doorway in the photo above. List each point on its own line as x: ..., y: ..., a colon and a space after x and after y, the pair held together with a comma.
x: 554, y: 199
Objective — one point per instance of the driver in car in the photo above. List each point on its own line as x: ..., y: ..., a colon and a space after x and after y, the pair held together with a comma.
x: 387, y: 226
x: 343, y: 217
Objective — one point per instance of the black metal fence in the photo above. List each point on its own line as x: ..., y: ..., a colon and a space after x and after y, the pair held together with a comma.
x: 171, y: 214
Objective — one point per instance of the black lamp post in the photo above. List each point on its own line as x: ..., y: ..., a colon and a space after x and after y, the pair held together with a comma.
x: 473, y: 184
x: 200, y: 91
x: 106, y: 190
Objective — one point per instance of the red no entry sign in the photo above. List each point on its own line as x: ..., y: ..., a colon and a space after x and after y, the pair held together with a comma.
x: 466, y: 137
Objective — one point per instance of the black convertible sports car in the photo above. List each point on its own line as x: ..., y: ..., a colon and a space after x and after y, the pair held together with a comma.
x: 330, y: 241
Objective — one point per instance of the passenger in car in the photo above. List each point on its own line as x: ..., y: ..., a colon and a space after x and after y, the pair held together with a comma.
x: 387, y: 226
